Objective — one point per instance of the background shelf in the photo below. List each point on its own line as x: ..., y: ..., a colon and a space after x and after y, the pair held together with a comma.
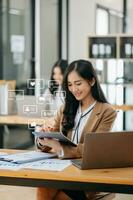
x: 110, y: 47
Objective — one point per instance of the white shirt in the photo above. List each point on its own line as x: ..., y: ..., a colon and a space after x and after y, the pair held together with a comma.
x: 80, y: 121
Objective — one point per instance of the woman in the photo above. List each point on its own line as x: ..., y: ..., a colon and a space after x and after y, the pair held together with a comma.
x: 54, y: 94
x: 85, y: 110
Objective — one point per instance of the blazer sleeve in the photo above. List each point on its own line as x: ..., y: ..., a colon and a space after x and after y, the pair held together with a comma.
x: 58, y: 119
x: 106, y: 119
x: 56, y: 125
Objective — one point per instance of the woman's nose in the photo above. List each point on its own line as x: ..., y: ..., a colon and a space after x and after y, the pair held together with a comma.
x: 74, y: 89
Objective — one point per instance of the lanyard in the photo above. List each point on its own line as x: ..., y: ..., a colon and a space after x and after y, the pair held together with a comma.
x: 77, y: 127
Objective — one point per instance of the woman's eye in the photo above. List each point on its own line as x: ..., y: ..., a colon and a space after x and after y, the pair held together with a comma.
x: 78, y: 84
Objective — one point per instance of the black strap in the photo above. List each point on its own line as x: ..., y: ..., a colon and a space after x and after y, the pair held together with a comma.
x: 77, y: 127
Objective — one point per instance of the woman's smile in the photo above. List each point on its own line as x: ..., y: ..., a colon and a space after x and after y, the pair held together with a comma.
x: 77, y: 94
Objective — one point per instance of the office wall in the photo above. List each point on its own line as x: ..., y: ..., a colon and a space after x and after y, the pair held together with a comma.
x: 82, y: 23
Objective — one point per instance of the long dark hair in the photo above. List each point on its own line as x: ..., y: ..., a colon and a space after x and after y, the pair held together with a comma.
x: 62, y: 64
x: 84, y: 69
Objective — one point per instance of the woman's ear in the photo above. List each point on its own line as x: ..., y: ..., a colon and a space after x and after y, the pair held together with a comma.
x: 92, y: 82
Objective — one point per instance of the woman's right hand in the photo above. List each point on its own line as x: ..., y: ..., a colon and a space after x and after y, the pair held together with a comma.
x: 45, y: 128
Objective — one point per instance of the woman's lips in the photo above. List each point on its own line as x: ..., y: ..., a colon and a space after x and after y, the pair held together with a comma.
x: 77, y: 94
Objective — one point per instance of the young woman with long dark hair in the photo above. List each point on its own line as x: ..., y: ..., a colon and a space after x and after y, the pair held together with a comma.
x: 86, y: 110
x: 54, y: 93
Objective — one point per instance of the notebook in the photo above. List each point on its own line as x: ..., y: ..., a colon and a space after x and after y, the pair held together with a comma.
x: 106, y: 150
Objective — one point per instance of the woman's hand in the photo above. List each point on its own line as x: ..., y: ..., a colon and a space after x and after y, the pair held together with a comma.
x: 53, y: 144
x: 47, y: 144
x: 46, y: 128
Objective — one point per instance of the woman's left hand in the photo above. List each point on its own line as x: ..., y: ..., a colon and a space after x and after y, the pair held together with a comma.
x: 54, y: 144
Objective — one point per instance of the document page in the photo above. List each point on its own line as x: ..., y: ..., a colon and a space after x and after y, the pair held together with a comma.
x: 9, y: 166
x: 2, y: 154
x: 48, y: 164
x: 25, y: 157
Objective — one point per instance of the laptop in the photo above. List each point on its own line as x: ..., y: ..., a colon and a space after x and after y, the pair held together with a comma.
x: 29, y: 106
x: 106, y: 150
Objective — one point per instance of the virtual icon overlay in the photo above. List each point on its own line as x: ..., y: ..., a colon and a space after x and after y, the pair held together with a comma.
x: 45, y: 99
x: 61, y: 94
x: 48, y: 113
x: 29, y: 109
x: 35, y: 83
x: 32, y: 123
x: 12, y: 94
x: 53, y: 84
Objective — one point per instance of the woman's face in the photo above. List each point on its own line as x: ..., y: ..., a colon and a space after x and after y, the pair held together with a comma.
x: 57, y: 75
x: 78, y: 86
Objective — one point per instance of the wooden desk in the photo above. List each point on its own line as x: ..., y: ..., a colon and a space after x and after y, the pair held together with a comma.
x: 18, y: 120
x: 119, y: 180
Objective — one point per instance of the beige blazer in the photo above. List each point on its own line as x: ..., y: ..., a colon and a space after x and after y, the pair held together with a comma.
x: 101, y: 120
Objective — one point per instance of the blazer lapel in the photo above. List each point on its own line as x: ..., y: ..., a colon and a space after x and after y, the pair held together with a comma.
x: 92, y: 121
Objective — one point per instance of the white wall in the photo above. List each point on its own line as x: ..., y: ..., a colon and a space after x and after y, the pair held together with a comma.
x: 82, y: 24
x: 64, y: 29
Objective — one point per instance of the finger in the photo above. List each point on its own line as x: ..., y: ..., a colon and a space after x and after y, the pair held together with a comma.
x: 40, y: 139
x: 50, y: 128
x: 37, y: 140
x: 47, y: 129
x: 46, y: 148
x: 39, y: 128
x: 44, y: 127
